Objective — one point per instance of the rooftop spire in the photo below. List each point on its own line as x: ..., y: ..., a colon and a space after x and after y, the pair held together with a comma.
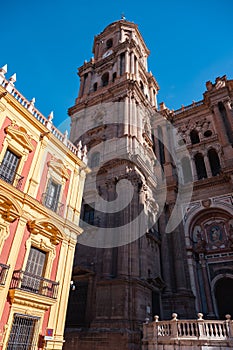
x: 123, y: 16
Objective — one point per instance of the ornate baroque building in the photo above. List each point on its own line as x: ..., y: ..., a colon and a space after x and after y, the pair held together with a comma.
x: 176, y: 162
x: 41, y: 183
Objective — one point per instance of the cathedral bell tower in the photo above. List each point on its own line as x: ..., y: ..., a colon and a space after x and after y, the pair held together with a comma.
x: 117, y: 270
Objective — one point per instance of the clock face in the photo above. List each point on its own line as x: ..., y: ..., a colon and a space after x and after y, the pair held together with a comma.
x: 107, y: 53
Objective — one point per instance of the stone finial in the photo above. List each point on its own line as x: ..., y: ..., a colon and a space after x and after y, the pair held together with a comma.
x: 156, y: 318
x: 31, y: 104
x: 147, y: 320
x: 162, y: 106
x: 200, y: 316
x: 50, y: 117
x: 33, y: 100
x: 209, y: 85
x: 13, y: 79
x: 228, y: 317
x: 49, y: 121
x: 3, y: 69
x: 65, y: 137
x: 174, y: 316
x: 10, y: 84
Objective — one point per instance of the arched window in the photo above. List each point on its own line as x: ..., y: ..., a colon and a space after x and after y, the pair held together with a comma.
x: 105, y: 79
x: 109, y: 43
x: 194, y: 137
x: 95, y: 160
x: 227, y: 125
x: 114, y: 77
x: 200, y: 166
x: 95, y: 87
x: 186, y: 168
x: 214, y: 162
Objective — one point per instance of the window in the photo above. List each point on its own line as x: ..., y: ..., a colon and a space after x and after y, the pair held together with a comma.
x: 105, y: 79
x: 186, y: 168
x: 89, y: 213
x: 95, y: 87
x: 9, y: 166
x: 95, y: 160
x: 114, y: 77
x: 194, y: 137
x: 34, y: 270
x: 109, y: 43
x: 51, y: 198
x: 24, y: 333
x: 214, y: 162
x: 200, y: 166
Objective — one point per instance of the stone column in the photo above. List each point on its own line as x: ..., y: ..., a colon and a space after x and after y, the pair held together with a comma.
x: 229, y: 111
x: 179, y: 259
x: 206, y: 286
x: 207, y: 166
x: 194, y: 169
x: 126, y: 61
x: 132, y: 63
x: 219, y: 125
x: 165, y: 253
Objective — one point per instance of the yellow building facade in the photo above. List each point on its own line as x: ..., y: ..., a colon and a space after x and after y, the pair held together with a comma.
x: 42, y: 176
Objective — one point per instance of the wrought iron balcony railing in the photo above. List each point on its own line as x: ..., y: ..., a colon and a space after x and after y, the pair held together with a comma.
x: 10, y: 176
x: 34, y: 284
x: 3, y: 273
x: 51, y: 203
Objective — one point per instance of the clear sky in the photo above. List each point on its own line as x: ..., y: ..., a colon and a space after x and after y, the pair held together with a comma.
x: 45, y: 42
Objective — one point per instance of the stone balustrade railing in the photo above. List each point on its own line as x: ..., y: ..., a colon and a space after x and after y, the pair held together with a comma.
x: 79, y: 151
x: 187, y: 108
x: 184, y: 331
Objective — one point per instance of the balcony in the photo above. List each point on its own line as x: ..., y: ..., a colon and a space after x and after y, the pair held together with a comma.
x: 10, y: 176
x: 51, y: 203
x: 3, y: 273
x: 189, y: 334
x: 34, y: 284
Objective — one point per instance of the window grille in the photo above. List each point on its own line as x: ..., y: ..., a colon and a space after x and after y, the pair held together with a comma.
x: 24, y: 333
x: 9, y: 166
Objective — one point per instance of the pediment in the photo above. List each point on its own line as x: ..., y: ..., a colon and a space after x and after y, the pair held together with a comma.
x: 58, y: 166
x: 47, y: 228
x: 20, y: 135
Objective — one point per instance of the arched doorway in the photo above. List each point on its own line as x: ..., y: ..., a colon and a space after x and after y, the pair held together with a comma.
x: 223, y: 295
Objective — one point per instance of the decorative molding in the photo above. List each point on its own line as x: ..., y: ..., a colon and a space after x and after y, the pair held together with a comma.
x: 46, y: 228
x: 10, y: 210
x: 20, y: 136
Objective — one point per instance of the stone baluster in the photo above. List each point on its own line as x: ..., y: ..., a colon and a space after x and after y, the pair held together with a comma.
x: 10, y: 83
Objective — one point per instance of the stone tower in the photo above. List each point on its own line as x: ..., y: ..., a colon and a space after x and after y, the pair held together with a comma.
x: 117, y: 274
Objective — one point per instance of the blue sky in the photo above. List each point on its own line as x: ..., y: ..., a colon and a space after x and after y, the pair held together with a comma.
x: 45, y: 42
